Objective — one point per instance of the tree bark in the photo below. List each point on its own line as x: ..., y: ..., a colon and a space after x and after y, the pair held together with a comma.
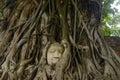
x: 30, y: 26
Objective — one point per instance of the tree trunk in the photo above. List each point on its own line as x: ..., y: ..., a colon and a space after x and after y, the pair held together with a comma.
x: 29, y: 27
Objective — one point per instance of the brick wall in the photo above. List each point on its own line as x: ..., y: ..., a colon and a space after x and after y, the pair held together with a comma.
x: 114, y: 42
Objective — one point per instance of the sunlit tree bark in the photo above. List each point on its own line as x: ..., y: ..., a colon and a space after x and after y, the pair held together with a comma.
x: 28, y: 28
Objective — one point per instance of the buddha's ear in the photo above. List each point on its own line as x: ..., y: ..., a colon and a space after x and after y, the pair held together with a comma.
x: 65, y: 43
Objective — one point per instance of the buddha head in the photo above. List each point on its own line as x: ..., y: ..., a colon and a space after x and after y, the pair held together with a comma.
x: 54, y: 53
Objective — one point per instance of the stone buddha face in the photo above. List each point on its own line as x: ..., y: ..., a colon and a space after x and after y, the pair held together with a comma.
x: 54, y: 53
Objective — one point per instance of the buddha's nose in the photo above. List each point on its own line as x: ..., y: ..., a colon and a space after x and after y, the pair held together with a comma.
x: 57, y: 54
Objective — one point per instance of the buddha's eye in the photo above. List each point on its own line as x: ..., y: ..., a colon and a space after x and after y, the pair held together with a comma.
x: 60, y: 50
x: 52, y: 51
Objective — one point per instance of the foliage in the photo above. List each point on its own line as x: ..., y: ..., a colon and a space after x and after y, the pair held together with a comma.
x: 114, y: 20
x: 115, y: 31
x: 110, y: 18
x: 106, y: 31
